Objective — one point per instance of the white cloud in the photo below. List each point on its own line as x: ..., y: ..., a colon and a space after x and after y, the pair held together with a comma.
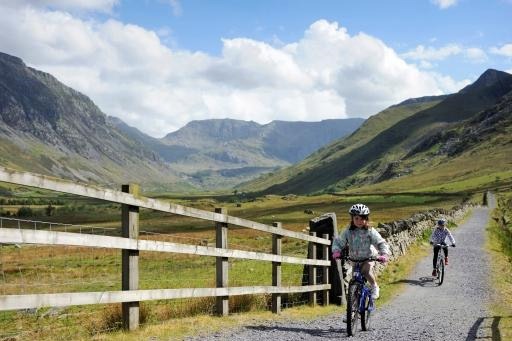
x: 504, y: 50
x: 425, y: 55
x: 177, y: 10
x: 69, y: 5
x: 426, y: 64
x: 475, y: 54
x: 443, y: 4
x: 431, y: 53
x: 131, y: 74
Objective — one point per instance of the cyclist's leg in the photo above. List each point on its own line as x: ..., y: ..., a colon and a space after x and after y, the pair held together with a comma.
x: 366, y: 270
x: 436, y: 254
x: 347, y: 274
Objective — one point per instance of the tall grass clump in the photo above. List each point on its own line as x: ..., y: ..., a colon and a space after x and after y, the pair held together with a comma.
x: 111, y: 319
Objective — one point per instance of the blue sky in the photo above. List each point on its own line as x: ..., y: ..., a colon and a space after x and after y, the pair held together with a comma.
x: 158, y: 64
x: 402, y: 25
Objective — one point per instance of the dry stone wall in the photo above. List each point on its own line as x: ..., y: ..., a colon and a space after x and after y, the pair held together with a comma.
x: 401, y: 234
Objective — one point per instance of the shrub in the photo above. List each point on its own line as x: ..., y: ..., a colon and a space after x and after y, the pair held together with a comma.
x: 25, y: 211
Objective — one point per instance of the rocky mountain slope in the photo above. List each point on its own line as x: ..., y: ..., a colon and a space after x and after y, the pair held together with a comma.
x: 371, y: 156
x: 220, y: 153
x: 49, y: 128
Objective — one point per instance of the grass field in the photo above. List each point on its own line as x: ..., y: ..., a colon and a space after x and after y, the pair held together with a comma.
x: 39, y: 269
x: 499, y: 244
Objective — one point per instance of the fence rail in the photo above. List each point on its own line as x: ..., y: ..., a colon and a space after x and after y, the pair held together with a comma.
x: 14, y: 302
x: 130, y: 244
x: 24, y: 236
x: 91, y: 191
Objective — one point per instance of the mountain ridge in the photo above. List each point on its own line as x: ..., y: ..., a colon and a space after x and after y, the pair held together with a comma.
x: 390, y: 144
x: 56, y: 130
x: 225, y: 152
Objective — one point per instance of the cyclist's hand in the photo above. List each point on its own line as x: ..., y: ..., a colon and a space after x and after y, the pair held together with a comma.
x: 336, y: 255
x: 431, y: 243
x: 453, y: 245
x: 382, y: 259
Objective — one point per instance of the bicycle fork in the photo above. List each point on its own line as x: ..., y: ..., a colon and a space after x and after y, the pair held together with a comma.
x: 366, y: 293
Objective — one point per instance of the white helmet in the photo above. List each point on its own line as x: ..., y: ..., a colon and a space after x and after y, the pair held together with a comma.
x: 359, y: 209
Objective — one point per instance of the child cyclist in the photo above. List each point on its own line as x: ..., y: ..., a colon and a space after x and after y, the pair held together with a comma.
x: 438, y: 237
x: 360, y: 237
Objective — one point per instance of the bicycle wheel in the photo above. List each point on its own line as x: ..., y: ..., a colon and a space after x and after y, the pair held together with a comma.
x: 440, y: 273
x: 352, y: 309
x: 366, y: 313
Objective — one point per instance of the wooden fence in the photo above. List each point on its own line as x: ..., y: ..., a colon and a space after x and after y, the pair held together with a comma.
x: 130, y: 244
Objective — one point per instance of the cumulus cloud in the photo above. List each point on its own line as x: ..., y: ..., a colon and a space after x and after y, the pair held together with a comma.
x: 443, y: 4
x: 504, y: 50
x: 130, y: 73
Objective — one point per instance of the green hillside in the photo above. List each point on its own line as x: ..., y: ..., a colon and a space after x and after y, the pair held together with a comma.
x: 474, y: 155
x: 376, y: 156
x: 338, y: 149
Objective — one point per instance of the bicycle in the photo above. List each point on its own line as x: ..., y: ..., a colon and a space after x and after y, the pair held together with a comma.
x: 440, y: 268
x: 360, y: 303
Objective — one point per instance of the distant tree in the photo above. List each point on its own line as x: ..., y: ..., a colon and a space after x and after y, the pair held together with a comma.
x: 25, y: 211
x: 49, y: 210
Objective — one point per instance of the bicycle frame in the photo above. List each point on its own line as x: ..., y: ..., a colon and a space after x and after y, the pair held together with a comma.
x: 357, y: 277
x: 440, y: 268
x: 360, y: 303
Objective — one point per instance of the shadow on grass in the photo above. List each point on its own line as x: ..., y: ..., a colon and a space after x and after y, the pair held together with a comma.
x: 484, y: 326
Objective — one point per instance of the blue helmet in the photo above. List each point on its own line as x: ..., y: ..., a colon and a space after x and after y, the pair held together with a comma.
x: 441, y: 222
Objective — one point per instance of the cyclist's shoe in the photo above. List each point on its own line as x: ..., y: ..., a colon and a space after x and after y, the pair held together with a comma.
x: 375, y: 292
x: 434, y: 272
x: 446, y: 261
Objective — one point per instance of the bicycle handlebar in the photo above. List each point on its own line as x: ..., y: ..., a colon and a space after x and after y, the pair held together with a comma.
x: 370, y: 259
x: 443, y: 245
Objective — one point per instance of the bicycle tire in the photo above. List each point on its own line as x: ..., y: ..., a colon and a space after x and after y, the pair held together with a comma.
x: 441, y: 272
x: 366, y: 314
x: 352, y: 309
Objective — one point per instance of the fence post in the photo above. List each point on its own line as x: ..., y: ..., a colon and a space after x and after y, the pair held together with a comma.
x: 312, y: 270
x: 325, y: 279
x: 276, y: 269
x: 130, y: 259
x: 221, y: 241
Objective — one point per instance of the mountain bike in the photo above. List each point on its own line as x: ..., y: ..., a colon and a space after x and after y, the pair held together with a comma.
x: 360, y: 303
x: 440, y: 267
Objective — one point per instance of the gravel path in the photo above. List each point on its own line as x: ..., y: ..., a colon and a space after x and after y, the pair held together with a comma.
x: 423, y: 311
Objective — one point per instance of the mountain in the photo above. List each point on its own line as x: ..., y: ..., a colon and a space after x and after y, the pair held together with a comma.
x: 220, y: 153
x: 372, y: 155
x: 49, y: 128
x: 336, y: 150
x: 472, y: 155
